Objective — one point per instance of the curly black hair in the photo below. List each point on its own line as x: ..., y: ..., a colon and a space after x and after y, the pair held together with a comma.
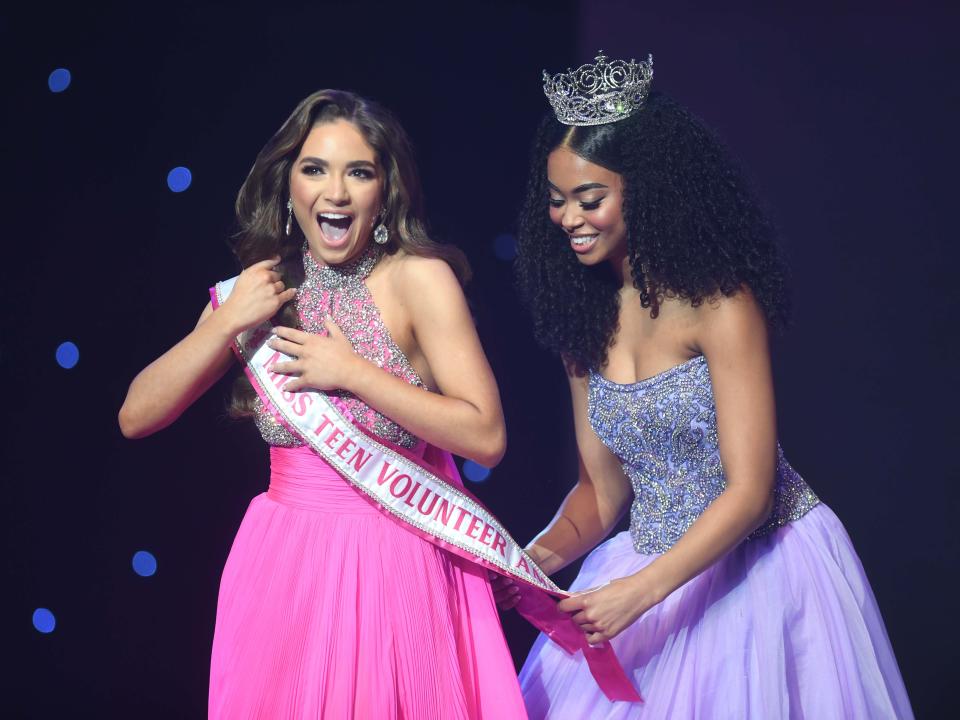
x: 694, y: 230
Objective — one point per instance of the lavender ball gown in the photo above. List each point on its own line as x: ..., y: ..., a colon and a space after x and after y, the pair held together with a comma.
x: 784, y: 626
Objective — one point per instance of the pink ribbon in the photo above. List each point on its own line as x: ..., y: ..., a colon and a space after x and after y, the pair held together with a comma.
x: 540, y: 610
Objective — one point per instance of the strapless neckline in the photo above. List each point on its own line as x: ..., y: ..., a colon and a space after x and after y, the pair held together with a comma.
x: 664, y: 374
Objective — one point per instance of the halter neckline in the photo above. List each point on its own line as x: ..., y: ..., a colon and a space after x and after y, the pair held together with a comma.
x: 336, y: 276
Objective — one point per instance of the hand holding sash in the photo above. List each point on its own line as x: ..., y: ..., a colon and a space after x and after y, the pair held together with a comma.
x: 323, y: 362
x: 506, y: 593
x: 257, y: 295
x: 604, y: 612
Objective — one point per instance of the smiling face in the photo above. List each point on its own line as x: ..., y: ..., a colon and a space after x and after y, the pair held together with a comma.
x: 586, y: 201
x: 337, y: 188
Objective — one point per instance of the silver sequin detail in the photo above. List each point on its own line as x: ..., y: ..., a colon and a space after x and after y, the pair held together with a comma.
x: 339, y: 292
x: 664, y: 431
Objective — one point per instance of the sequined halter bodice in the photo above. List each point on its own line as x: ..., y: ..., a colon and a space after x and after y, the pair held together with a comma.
x: 664, y: 431
x: 340, y: 293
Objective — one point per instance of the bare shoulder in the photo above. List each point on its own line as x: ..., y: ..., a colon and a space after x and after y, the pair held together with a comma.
x: 573, y: 377
x: 418, y: 268
x: 737, y: 319
x: 424, y: 277
x: 740, y: 309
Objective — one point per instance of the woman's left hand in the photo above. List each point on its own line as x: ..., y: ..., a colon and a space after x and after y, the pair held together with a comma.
x: 605, y: 611
x: 322, y: 362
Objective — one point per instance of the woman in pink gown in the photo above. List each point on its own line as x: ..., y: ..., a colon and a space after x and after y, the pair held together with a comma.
x: 328, y: 606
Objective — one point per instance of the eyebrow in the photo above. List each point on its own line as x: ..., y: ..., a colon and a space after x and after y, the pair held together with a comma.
x: 580, y: 188
x: 350, y: 165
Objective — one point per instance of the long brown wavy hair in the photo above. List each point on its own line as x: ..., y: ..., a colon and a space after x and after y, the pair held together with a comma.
x: 262, y: 200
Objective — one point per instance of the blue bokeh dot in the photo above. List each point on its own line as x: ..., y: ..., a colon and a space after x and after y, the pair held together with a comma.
x: 59, y: 80
x: 68, y: 355
x: 179, y: 179
x: 43, y: 620
x: 505, y: 247
x: 144, y: 563
x: 475, y: 472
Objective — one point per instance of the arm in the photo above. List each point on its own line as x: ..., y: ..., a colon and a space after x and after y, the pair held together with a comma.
x: 174, y: 381
x: 733, y: 337
x: 465, y: 417
x: 734, y: 340
x: 596, y: 502
x: 171, y: 383
x: 589, y: 512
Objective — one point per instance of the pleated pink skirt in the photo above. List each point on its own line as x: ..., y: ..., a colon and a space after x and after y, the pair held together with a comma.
x: 330, y: 609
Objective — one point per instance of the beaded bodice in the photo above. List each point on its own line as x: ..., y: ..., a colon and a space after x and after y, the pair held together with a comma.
x: 340, y: 293
x: 664, y: 431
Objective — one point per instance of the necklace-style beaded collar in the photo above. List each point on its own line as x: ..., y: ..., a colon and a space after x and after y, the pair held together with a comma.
x: 330, y: 277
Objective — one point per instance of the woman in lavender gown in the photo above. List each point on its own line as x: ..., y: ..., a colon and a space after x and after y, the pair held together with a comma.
x: 650, y: 270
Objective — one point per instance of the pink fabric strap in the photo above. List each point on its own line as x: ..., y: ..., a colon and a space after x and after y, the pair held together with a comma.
x: 540, y: 610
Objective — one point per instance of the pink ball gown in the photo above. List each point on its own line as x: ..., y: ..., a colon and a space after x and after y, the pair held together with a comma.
x: 328, y: 607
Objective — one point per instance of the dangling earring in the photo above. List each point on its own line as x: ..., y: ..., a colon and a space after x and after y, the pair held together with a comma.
x: 381, y: 235
x: 289, y: 215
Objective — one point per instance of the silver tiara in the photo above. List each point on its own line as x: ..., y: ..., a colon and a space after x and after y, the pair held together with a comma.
x: 600, y: 93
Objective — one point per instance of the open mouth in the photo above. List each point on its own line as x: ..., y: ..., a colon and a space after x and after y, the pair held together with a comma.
x: 334, y: 226
x: 582, y: 243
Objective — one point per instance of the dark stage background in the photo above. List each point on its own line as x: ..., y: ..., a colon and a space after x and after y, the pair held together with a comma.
x: 845, y: 118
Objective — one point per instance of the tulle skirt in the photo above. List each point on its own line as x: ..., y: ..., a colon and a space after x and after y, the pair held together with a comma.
x: 330, y: 609
x: 785, y: 626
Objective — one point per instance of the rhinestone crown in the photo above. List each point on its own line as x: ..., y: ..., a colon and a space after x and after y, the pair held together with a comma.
x: 601, y: 93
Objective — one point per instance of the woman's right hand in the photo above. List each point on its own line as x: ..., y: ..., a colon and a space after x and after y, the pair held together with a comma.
x: 258, y: 294
x: 505, y: 591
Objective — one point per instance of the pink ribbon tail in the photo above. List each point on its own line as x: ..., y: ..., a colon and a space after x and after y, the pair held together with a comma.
x: 540, y: 610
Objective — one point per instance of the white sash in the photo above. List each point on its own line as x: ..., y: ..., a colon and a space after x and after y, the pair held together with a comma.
x: 407, y: 488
